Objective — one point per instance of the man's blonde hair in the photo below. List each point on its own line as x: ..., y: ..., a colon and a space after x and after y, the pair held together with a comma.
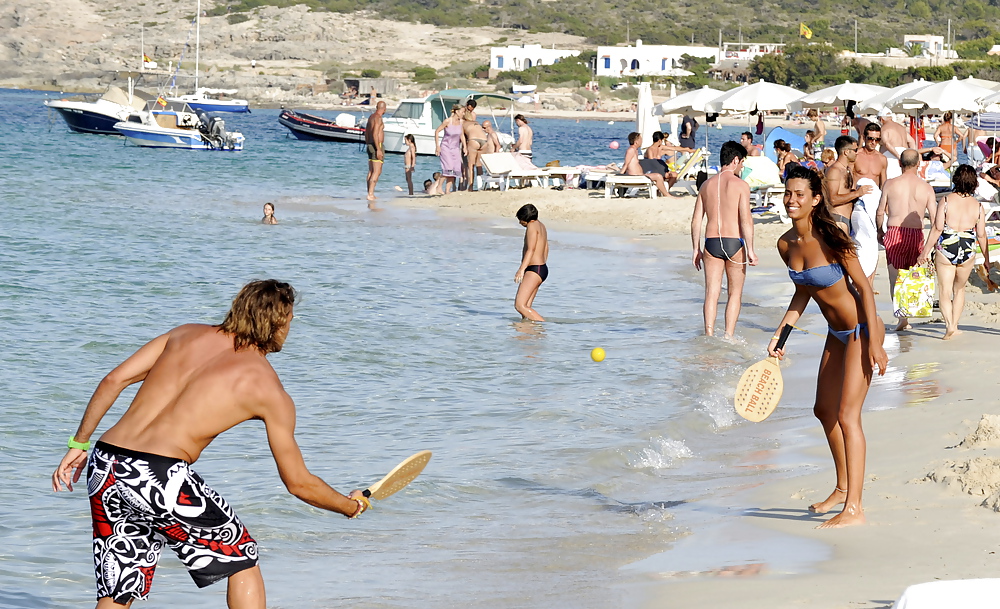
x: 260, y: 309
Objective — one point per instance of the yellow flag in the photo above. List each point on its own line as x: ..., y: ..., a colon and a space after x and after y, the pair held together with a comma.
x: 805, y: 31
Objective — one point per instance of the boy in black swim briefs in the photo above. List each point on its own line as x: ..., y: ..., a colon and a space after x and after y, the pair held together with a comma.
x: 533, y: 270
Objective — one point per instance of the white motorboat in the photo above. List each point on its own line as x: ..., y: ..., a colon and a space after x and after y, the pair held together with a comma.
x: 85, y: 115
x: 213, y: 100
x: 420, y: 117
x: 176, y: 125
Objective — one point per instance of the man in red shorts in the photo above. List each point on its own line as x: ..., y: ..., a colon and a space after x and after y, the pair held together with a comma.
x: 197, y: 382
x: 905, y: 199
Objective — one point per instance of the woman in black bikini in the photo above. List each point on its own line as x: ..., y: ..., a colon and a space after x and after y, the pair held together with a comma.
x: 820, y: 256
x: 958, y: 224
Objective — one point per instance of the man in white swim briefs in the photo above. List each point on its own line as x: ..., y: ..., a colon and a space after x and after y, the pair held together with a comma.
x: 895, y: 139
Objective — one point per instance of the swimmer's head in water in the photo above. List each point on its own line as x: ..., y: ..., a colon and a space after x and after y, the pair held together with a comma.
x: 436, y: 175
x: 260, y: 315
x: 427, y: 184
x: 269, y: 209
x: 527, y: 213
x: 409, y: 138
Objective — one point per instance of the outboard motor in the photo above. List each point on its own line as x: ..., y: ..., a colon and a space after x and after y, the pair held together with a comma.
x: 203, y: 121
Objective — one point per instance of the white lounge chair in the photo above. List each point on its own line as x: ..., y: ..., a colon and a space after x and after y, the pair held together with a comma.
x: 638, y: 182
x: 500, y: 168
x: 766, y: 188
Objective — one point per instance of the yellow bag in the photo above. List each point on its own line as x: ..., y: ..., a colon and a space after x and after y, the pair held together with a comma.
x: 914, y: 293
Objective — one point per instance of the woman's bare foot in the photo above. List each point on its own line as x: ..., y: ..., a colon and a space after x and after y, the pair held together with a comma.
x: 902, y: 325
x: 851, y: 516
x: 950, y: 334
x: 836, y: 498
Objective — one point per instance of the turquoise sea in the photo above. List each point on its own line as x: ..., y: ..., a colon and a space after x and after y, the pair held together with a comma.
x: 556, y: 481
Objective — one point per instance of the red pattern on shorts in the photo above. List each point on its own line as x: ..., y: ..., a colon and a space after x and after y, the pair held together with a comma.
x: 903, y: 246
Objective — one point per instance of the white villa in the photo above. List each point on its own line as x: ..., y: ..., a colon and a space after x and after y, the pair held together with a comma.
x: 647, y: 60
x: 522, y: 57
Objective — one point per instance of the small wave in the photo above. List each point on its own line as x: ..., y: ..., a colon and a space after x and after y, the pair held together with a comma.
x: 720, y: 408
x: 661, y: 455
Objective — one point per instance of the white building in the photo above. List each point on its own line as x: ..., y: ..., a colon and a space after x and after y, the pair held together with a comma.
x: 748, y: 51
x: 647, y: 60
x: 933, y: 45
x: 522, y: 57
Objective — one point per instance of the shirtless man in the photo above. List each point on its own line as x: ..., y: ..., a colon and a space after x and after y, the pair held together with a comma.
x: 895, y: 139
x: 870, y: 163
x: 197, y: 382
x: 476, y: 140
x: 492, y: 141
x: 633, y: 167
x: 724, y: 200
x: 846, y: 200
x: 375, y: 140
x: 524, y: 136
x: 746, y: 140
x: 819, y: 133
x: 905, y: 199
x: 533, y: 270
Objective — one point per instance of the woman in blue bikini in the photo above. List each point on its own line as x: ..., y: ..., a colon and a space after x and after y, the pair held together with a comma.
x: 824, y: 266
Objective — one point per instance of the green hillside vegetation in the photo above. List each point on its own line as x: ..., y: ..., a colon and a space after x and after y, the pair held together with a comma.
x: 881, y: 23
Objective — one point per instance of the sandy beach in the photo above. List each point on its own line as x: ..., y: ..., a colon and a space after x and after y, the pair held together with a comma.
x: 933, y: 470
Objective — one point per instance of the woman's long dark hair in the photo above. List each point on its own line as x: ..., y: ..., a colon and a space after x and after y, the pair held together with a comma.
x: 833, y: 236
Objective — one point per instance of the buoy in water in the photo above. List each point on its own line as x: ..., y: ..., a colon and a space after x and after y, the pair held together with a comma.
x: 597, y: 354
x: 613, y: 145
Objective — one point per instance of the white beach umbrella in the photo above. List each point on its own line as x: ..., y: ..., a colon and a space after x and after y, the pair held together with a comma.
x: 764, y: 96
x: 951, y: 95
x: 989, y: 100
x: 989, y: 84
x: 645, y: 123
x: 876, y: 103
x: 691, y: 101
x: 837, y: 95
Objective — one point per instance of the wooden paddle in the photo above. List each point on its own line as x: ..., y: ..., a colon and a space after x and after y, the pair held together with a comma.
x: 400, y: 476
x: 760, y: 387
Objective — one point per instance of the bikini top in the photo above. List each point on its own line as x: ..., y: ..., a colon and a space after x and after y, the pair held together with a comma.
x: 818, y: 277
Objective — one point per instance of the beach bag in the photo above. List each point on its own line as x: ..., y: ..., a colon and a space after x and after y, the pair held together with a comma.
x: 914, y: 293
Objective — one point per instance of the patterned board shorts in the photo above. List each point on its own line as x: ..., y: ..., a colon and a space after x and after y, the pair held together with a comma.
x: 138, y: 502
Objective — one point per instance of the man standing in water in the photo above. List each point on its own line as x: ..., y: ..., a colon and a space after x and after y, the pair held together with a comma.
x: 375, y: 144
x: 197, y: 382
x: 533, y: 270
x: 725, y: 201
x: 905, y: 200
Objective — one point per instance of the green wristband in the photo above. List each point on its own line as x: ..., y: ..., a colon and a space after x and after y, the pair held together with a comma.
x: 80, y: 445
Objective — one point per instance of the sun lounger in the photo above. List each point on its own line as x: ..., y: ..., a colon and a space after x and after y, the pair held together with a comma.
x: 766, y: 189
x: 506, y: 167
x: 566, y: 174
x: 640, y: 182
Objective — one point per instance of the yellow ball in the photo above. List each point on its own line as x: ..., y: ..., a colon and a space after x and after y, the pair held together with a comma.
x: 597, y: 354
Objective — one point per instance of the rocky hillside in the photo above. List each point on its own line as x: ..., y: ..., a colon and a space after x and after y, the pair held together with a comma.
x: 77, y: 45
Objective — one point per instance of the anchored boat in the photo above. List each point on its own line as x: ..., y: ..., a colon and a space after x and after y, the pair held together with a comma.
x: 176, y: 125
x: 308, y: 127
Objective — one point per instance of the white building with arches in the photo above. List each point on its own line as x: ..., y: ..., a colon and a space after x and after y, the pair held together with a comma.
x: 647, y: 60
x: 524, y: 56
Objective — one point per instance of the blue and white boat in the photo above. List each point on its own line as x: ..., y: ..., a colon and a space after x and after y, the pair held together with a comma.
x: 176, y: 125
x: 213, y: 100
x: 99, y: 115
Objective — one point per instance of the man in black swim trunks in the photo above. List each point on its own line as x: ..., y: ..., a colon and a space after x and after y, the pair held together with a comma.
x: 533, y: 270
x: 197, y: 382
x: 375, y: 143
x: 724, y: 199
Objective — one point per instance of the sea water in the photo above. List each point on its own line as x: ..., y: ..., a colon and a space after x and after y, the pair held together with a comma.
x: 555, y: 480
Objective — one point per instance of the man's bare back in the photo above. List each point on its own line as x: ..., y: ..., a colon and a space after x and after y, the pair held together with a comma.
x: 723, y: 220
x: 196, y: 388
x: 895, y: 138
x: 906, y: 199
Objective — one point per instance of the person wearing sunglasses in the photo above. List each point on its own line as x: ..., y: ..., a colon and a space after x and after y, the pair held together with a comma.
x: 870, y: 163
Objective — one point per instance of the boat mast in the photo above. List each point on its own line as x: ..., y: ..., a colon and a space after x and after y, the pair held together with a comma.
x: 197, y: 46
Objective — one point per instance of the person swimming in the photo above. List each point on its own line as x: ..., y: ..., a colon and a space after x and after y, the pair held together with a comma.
x: 820, y: 257
x: 269, y: 214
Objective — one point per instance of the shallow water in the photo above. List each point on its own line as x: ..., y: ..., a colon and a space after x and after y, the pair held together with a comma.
x: 550, y: 472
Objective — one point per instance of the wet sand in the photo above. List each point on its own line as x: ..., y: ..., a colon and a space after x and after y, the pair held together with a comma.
x: 933, y: 471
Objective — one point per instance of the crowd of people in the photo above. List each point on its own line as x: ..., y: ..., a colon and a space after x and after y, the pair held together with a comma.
x: 860, y: 198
